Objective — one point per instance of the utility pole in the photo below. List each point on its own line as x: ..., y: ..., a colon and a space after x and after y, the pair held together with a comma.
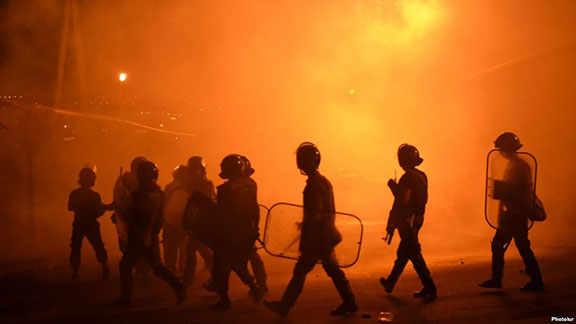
x: 71, y: 16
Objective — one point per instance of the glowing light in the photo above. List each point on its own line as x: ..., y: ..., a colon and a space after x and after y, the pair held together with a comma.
x: 122, y: 77
x: 352, y: 92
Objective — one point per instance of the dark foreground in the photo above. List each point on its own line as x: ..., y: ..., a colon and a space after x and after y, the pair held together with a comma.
x: 43, y: 292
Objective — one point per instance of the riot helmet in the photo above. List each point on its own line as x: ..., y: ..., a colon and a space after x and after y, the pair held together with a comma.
x: 248, y: 170
x: 87, y: 177
x: 136, y: 162
x: 197, y: 162
x: 179, y: 173
x: 307, y: 157
x: 408, y: 156
x: 147, y: 172
x: 232, y: 166
x: 508, y: 142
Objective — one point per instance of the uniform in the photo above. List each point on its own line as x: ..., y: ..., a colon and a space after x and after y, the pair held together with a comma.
x: 239, y: 211
x: 319, y: 237
x: 143, y: 228
x: 513, y: 220
x: 410, y: 220
x: 87, y: 207
x: 193, y: 245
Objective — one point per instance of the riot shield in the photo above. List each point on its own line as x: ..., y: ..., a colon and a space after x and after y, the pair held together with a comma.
x: 261, y: 226
x: 510, y: 183
x: 202, y: 220
x: 174, y: 208
x: 282, y: 233
x: 123, y: 188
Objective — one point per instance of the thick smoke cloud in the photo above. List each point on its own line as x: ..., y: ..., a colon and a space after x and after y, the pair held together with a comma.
x: 356, y: 77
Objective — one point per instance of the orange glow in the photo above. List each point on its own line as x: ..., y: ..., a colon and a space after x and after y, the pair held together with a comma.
x: 357, y: 78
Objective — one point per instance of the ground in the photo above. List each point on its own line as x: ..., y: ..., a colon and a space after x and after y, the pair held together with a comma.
x: 39, y: 291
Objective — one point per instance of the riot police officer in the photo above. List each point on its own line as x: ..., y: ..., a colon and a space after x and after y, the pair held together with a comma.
x: 198, y: 182
x: 318, y: 238
x: 255, y: 260
x: 513, y: 217
x: 407, y: 215
x: 87, y: 207
x: 174, y: 238
x: 144, y: 225
x: 239, y: 216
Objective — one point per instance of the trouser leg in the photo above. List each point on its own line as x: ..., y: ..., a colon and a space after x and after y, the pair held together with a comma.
x: 414, y: 251
x: 95, y: 239
x: 330, y: 264
x: 240, y: 267
x: 153, y: 258
x: 131, y: 256
x: 182, y: 252
x: 221, y: 273
x: 523, y: 245
x: 170, y: 244
x: 207, y: 255
x: 499, y: 245
x: 191, y: 261
x: 258, y: 268
x: 402, y: 257
x: 76, y: 246
x: 305, y: 264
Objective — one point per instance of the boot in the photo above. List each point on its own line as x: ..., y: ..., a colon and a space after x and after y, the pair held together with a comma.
x: 491, y: 283
x: 180, y: 291
x: 347, y: 307
x: 426, y: 293
x: 387, y: 284
x: 222, y: 305
x: 276, y: 307
x: 533, y: 285
x: 256, y: 294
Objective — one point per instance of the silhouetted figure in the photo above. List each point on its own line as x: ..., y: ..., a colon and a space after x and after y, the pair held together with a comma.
x: 174, y: 238
x: 515, y: 206
x: 407, y: 215
x: 143, y: 229
x: 124, y: 186
x: 197, y: 181
x: 255, y: 260
x: 87, y: 207
x: 239, y: 212
x: 318, y: 239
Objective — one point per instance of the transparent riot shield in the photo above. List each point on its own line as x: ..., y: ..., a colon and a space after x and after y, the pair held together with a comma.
x: 262, y: 226
x: 510, y: 184
x: 282, y: 233
x: 174, y: 208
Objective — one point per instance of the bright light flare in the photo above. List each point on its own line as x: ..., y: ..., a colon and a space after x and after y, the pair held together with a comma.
x: 122, y: 77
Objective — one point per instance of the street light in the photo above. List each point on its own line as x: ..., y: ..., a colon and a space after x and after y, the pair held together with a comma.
x: 122, y: 77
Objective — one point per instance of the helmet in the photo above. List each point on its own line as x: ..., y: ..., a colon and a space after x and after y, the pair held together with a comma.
x: 508, y: 142
x: 136, y: 162
x: 248, y: 170
x: 197, y: 162
x: 147, y: 172
x: 86, y: 176
x: 307, y: 156
x: 179, y: 172
x: 232, y: 166
x: 408, y: 155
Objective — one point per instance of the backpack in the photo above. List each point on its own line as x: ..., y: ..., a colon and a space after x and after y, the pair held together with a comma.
x: 537, y: 214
